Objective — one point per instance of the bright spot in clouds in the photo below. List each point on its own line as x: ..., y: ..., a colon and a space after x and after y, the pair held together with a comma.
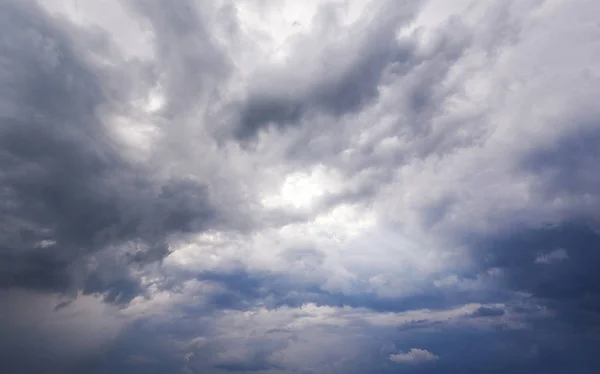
x: 302, y: 190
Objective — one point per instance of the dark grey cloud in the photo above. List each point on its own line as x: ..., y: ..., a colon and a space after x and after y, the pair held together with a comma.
x: 343, y: 86
x: 488, y: 312
x: 349, y: 84
x: 67, y: 193
x: 38, y: 336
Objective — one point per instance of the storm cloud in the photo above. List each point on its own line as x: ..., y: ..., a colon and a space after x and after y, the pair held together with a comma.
x: 329, y: 186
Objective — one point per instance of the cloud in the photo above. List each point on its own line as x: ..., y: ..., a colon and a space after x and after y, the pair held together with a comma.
x: 71, y: 198
x: 488, y: 312
x: 46, y: 332
x: 343, y: 79
x: 299, y: 187
x: 414, y: 356
x: 556, y: 255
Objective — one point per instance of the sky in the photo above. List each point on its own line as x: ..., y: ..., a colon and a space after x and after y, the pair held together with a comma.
x: 282, y: 186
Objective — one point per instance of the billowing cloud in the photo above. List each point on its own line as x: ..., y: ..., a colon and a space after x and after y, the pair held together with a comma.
x: 327, y: 186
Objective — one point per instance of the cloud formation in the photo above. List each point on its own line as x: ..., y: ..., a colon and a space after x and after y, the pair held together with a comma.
x: 414, y: 356
x: 556, y: 255
x: 299, y: 187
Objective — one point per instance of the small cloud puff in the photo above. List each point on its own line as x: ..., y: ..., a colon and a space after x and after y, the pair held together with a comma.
x: 556, y: 255
x: 414, y: 356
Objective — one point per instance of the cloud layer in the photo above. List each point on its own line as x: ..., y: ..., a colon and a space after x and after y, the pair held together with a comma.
x: 329, y: 186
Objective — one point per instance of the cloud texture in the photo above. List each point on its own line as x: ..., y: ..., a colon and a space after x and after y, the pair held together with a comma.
x: 327, y: 186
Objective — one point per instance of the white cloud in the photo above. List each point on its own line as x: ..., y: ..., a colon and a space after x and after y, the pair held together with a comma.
x: 414, y: 356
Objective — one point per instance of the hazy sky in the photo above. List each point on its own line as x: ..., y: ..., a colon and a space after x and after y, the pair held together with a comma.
x: 287, y: 186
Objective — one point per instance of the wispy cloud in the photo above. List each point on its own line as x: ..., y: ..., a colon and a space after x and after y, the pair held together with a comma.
x: 299, y: 186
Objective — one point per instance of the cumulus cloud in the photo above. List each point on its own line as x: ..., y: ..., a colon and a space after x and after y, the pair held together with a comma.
x: 414, y: 356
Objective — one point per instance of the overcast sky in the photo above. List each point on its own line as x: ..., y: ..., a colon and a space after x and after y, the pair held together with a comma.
x: 286, y: 186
